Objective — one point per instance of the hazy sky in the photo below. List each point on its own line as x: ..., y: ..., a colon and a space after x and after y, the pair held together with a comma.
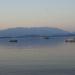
x: 30, y: 13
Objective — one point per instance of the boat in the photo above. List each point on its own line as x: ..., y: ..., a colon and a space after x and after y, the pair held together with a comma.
x: 46, y: 37
x: 70, y: 40
x: 13, y: 41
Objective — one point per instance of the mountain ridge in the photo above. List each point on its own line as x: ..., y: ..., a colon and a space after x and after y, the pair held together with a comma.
x: 41, y: 31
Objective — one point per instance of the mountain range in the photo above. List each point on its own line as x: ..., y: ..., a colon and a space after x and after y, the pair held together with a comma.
x: 38, y: 31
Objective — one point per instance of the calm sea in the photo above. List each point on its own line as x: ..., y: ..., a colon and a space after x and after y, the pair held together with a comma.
x: 34, y: 56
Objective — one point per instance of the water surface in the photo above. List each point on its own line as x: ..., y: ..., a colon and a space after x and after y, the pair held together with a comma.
x: 34, y: 56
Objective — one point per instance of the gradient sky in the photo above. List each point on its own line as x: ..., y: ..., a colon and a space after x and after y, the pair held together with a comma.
x: 30, y: 13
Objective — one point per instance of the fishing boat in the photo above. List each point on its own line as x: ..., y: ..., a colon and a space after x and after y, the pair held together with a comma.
x: 44, y: 37
x: 70, y: 40
x: 13, y: 41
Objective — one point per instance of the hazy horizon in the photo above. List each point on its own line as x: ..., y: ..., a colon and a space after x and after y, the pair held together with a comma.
x: 37, y: 13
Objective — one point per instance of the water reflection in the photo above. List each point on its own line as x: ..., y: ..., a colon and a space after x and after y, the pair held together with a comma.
x: 31, y: 42
x: 37, y: 57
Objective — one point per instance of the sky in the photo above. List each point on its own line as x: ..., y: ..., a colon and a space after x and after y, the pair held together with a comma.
x: 37, y: 13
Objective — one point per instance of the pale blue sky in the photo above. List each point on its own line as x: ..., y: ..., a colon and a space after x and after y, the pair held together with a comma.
x: 30, y: 13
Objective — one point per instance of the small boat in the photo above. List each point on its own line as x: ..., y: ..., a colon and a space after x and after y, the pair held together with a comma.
x: 70, y: 40
x: 46, y: 37
x: 13, y: 41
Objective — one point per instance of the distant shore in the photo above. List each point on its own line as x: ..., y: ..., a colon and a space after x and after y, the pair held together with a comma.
x: 39, y: 36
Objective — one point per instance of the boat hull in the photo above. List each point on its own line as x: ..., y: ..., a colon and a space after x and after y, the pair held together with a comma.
x: 69, y: 40
x: 13, y: 41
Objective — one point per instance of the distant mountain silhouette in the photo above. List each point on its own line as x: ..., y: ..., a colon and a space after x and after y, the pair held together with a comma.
x: 41, y: 31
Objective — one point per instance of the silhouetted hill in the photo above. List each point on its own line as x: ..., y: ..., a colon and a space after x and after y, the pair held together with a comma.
x: 41, y: 31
